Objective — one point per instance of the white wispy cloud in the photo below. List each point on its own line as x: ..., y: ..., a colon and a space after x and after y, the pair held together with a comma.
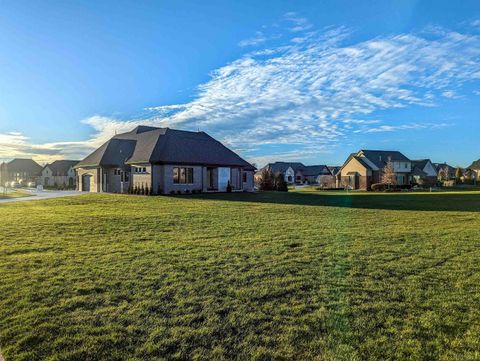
x: 298, y: 23
x: 259, y: 38
x: 392, y: 128
x: 311, y: 94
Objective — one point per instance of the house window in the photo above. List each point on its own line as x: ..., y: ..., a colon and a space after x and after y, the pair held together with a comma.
x: 406, y: 165
x: 117, y: 172
x: 289, y: 178
x: 139, y: 169
x: 182, y: 175
x: 244, y: 177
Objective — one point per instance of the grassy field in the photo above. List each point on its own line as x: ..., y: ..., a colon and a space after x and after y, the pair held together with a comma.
x: 298, y: 276
x: 13, y: 194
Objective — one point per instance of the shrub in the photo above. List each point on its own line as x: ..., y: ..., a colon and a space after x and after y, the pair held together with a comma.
x: 172, y: 192
x: 279, y: 183
x: 187, y: 191
x: 179, y: 192
x: 379, y: 187
x: 147, y: 191
x: 229, y: 187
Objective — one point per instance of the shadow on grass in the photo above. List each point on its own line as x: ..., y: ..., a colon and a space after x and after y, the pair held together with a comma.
x: 452, y: 202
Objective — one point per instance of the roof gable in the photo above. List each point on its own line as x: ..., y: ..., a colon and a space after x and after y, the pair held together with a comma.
x: 61, y: 167
x: 163, y: 145
x: 475, y: 165
x: 380, y: 157
x: 24, y: 165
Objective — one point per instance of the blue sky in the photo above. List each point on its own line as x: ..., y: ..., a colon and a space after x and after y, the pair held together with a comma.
x: 283, y: 80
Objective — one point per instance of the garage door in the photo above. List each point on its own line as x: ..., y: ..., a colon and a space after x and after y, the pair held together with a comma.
x: 86, y: 183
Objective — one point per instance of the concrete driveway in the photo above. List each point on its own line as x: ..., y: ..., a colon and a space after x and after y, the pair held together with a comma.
x: 35, y: 195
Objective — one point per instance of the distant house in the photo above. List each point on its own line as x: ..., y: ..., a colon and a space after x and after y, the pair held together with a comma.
x: 364, y: 168
x: 164, y: 160
x: 424, y: 172
x: 20, y: 170
x: 445, y: 171
x: 298, y: 173
x: 475, y: 167
x: 60, y: 173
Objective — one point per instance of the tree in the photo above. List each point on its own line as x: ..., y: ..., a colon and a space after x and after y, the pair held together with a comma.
x: 279, y: 183
x: 388, y: 175
x: 458, y: 174
x: 443, y: 173
x: 265, y: 181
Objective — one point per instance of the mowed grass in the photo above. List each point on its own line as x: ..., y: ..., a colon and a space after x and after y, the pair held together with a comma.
x: 13, y: 194
x: 298, y: 276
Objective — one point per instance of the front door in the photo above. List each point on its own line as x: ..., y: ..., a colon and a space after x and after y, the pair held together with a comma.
x: 86, y: 183
x: 210, y: 178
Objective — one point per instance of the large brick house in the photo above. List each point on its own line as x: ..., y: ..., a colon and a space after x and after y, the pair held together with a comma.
x: 364, y: 168
x: 164, y: 160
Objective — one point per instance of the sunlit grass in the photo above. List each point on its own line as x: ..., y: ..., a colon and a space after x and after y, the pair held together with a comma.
x: 298, y: 276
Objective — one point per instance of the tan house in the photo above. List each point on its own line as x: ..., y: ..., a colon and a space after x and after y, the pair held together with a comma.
x: 165, y: 161
x: 364, y: 168
x: 475, y: 168
x: 60, y: 173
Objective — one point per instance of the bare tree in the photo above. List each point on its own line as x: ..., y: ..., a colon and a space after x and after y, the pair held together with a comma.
x: 388, y: 174
x: 444, y: 173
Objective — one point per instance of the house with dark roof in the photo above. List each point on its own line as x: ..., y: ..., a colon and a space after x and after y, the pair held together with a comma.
x: 445, y: 171
x: 424, y: 172
x: 20, y: 170
x: 60, y: 173
x: 164, y: 160
x: 298, y: 173
x: 475, y: 168
x: 364, y: 168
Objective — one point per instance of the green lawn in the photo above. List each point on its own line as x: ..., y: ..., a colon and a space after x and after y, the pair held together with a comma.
x: 297, y: 276
x: 13, y: 194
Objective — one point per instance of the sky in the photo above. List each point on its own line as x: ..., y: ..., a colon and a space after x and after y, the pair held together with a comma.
x: 309, y: 81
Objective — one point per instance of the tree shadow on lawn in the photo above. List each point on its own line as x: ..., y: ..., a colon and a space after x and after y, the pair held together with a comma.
x: 451, y: 202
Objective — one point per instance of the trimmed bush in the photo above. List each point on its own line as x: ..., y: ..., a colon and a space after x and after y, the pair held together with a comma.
x: 229, y: 187
x: 379, y: 187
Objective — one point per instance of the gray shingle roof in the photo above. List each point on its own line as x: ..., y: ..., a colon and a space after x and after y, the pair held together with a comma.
x: 281, y: 167
x: 314, y: 170
x: 61, y: 167
x: 475, y: 165
x: 334, y: 169
x: 24, y: 165
x: 380, y: 157
x: 307, y: 170
x: 163, y: 145
x: 441, y: 166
